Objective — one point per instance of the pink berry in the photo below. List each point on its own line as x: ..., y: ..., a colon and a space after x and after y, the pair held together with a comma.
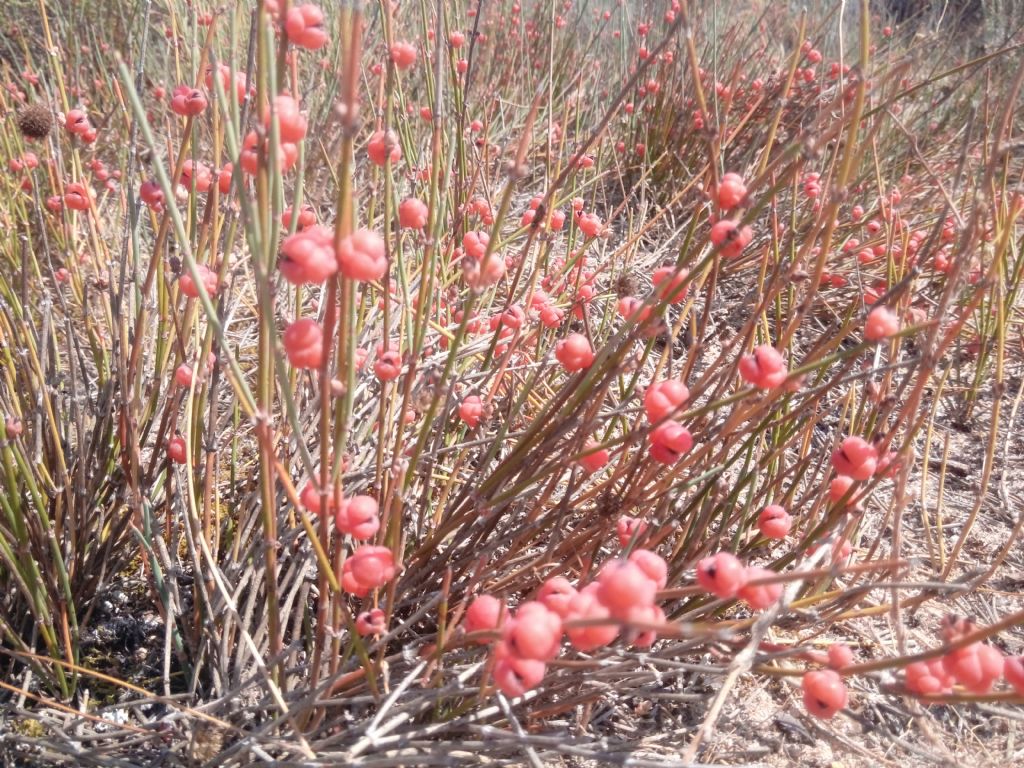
x: 403, y: 54
x: 206, y: 275
x: 840, y: 655
x: 624, y: 585
x: 303, y: 342
x: 308, y: 257
x: 574, y: 352
x: 372, y: 622
x: 514, y: 675
x: 774, y: 522
x: 585, y: 606
x: 669, y: 441
x: 361, y: 256
x: 881, y: 324
x: 556, y: 593
x: 534, y: 632
x: 731, y: 191
x: 723, y: 575
x: 357, y: 516
x: 484, y: 613
x: 663, y: 398
x: 760, y: 596
x: 304, y: 25
x: 824, y: 693
x: 412, y: 213
x: 652, y: 564
x: 856, y: 458
x: 765, y: 368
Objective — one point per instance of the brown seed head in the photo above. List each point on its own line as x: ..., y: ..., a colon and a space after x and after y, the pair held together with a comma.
x: 35, y: 121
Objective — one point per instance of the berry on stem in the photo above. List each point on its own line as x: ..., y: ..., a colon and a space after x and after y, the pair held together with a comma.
x: 824, y: 693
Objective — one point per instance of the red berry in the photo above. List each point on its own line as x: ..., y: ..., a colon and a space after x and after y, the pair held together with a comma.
x: 470, y: 410
x: 514, y: 675
x: 206, y: 275
x: 594, y: 458
x: 291, y: 123
x: 412, y: 213
x: 304, y: 343
x: 731, y: 191
x: 556, y: 593
x: 663, y: 398
x: 840, y: 655
x: 388, y: 366
x: 629, y: 527
x: 357, y: 516
x: 760, y: 596
x: 765, y: 368
x: 881, y: 324
x: 652, y: 614
x: 671, y: 283
x: 403, y: 54
x: 187, y: 101
x: 306, y: 219
x: 855, y: 457
x: 371, y: 566
x: 928, y: 677
x: 183, y: 375
x: 574, y: 352
x: 624, y: 585
x: 652, y: 564
x: 730, y: 238
x: 590, y: 224
x: 534, y: 632
x: 382, y: 147
x: 77, y: 197
x: 176, y: 450
x: 361, y: 256
x: 304, y: 25
x: 1013, y: 671
x: 669, y: 441
x: 152, y: 195
x: 723, y: 575
x: 585, y: 606
x: 774, y: 522
x: 485, y: 612
x: 824, y: 693
x: 372, y: 622
x: 308, y: 256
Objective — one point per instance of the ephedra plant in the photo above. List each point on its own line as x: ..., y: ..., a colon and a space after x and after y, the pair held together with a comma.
x: 421, y: 365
